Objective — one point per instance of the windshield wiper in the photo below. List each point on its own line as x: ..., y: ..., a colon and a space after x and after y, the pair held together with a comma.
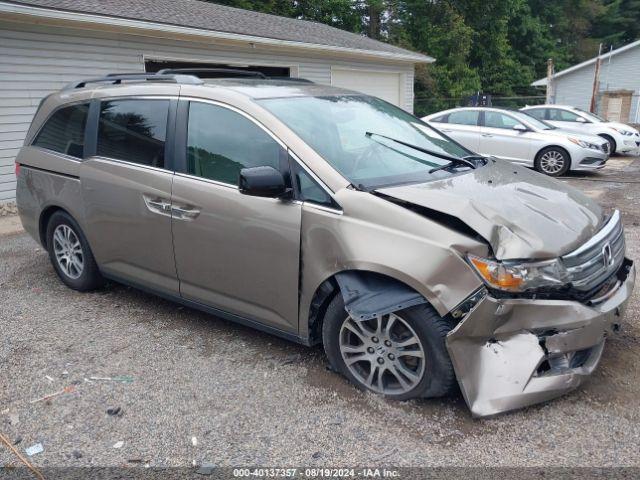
x: 452, y: 160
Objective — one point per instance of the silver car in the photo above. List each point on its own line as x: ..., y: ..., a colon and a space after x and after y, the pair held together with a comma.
x: 329, y: 217
x: 622, y: 138
x: 520, y: 138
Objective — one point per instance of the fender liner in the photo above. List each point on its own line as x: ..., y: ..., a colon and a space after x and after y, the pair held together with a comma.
x: 368, y: 295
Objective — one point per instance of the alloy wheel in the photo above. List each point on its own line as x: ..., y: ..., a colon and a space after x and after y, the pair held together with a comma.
x: 384, y: 354
x: 68, y: 251
x: 552, y: 162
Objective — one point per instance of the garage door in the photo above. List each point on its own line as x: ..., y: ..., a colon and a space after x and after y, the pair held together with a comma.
x: 379, y: 84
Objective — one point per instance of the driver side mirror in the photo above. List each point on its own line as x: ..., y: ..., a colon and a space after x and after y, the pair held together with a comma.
x: 262, y: 182
x: 520, y: 128
x: 581, y: 120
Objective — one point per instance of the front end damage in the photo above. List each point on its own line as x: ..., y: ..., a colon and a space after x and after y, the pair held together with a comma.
x: 513, y: 352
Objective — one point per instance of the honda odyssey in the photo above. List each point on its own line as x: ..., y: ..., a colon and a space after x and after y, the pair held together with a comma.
x: 329, y: 217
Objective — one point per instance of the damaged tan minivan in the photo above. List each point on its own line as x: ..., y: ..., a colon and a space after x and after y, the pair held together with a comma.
x: 326, y: 216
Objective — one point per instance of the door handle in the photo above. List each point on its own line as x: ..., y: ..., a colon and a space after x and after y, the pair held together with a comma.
x: 185, y: 213
x: 157, y: 205
x: 487, y: 135
x: 446, y: 130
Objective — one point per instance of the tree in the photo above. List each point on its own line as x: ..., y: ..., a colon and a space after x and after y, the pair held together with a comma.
x: 497, y: 46
x: 619, y: 23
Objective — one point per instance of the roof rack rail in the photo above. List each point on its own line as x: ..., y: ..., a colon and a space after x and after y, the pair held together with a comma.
x: 223, y: 72
x: 292, y: 79
x: 118, y: 78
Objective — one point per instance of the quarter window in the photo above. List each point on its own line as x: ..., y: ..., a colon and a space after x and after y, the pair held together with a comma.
x: 308, y: 188
x: 221, y: 142
x: 133, y: 130
x: 64, y: 131
x: 464, y: 117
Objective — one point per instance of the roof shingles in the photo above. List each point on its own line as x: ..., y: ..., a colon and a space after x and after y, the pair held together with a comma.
x: 221, y: 18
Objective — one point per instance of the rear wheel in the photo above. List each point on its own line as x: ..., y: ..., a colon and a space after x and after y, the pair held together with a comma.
x: 70, y: 254
x: 612, y: 144
x: 401, y: 355
x: 553, y: 161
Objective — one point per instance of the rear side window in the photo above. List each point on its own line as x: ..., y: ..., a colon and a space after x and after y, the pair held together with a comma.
x: 499, y: 120
x: 64, y: 131
x: 221, y: 142
x: 464, y: 117
x: 440, y: 119
x: 538, y: 113
x: 558, y: 115
x: 133, y: 130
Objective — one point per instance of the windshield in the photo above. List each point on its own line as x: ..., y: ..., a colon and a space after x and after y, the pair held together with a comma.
x: 348, y: 132
x: 533, y: 121
x: 591, y: 116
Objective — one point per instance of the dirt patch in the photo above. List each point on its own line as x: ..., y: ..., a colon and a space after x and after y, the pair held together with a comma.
x: 10, y: 225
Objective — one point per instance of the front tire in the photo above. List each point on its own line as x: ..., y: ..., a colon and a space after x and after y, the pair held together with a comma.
x: 401, y: 355
x: 552, y: 161
x: 71, y: 255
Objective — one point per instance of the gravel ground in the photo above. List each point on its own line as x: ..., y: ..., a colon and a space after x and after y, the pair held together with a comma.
x: 252, y: 399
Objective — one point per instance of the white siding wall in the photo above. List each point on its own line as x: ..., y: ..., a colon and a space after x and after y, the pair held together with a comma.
x: 36, y: 60
x: 623, y: 73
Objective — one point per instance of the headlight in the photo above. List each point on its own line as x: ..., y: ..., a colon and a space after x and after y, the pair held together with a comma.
x: 518, y: 277
x: 584, y: 144
x: 623, y: 132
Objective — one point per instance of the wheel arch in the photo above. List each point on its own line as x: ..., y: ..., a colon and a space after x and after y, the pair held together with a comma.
x: 559, y: 147
x: 331, y: 286
x: 43, y: 221
x: 611, y: 140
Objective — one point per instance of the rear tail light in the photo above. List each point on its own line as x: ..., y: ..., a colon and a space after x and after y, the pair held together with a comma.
x: 17, y: 169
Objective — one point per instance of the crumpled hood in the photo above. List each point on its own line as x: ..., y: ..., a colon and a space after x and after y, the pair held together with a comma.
x: 521, y: 213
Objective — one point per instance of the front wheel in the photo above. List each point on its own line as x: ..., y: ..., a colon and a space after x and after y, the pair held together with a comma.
x: 553, y: 161
x: 70, y: 254
x: 401, y: 355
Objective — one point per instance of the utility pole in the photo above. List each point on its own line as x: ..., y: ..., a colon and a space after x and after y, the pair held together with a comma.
x: 550, y: 72
x: 596, y: 82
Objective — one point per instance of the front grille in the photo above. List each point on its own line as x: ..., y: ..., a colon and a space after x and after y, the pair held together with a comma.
x: 595, y: 261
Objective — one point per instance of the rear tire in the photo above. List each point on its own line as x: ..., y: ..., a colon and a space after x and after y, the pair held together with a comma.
x: 553, y: 161
x: 407, y: 351
x: 71, y: 255
x: 612, y: 144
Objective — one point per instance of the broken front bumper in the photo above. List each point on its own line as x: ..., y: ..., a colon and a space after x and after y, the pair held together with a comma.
x: 509, y: 353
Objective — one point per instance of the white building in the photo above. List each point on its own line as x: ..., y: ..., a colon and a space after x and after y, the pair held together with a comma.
x: 45, y: 44
x: 618, y: 92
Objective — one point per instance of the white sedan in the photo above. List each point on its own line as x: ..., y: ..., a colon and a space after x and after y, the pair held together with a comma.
x: 622, y: 138
x: 520, y: 138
